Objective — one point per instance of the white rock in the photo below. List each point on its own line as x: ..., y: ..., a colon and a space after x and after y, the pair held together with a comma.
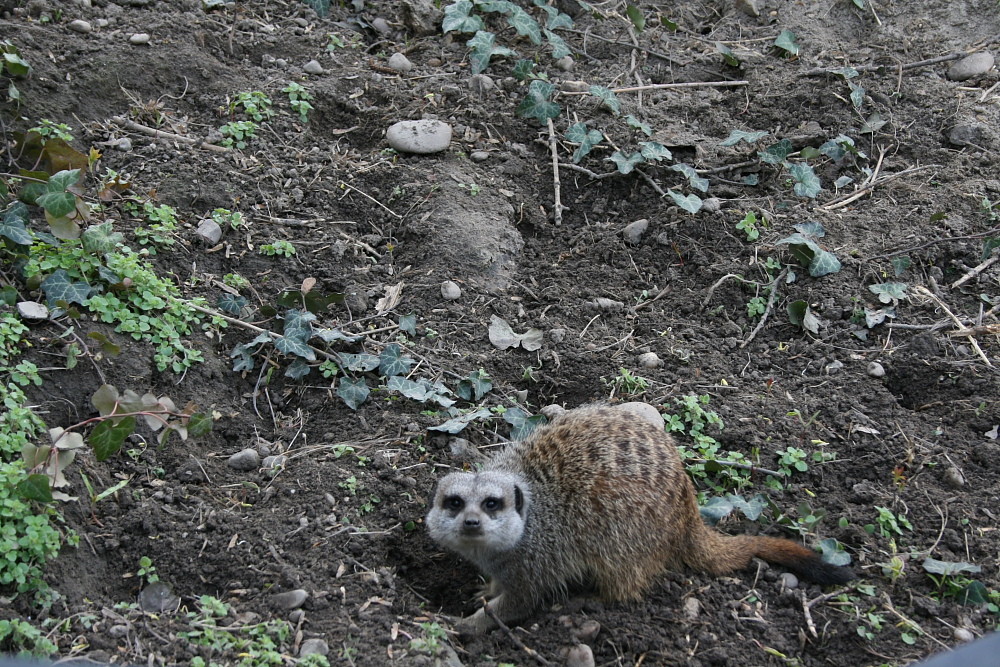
x: 419, y: 136
x: 963, y: 635
x: 290, y: 599
x: 381, y: 26
x: 450, y: 291
x: 139, y: 38
x: 954, y: 477
x: 209, y: 231
x: 565, y: 63
x: 482, y: 84
x: 634, y: 230
x: 711, y: 205
x: 876, y: 370
x: 400, y: 63
x: 643, y: 411
x: 479, y: 156
x: 80, y: 26
x: 32, y: 310
x: 788, y: 580
x: 692, y: 608
x: 970, y: 66
x: 588, y: 630
x: 248, y: 459
x: 650, y: 360
x: 314, y: 646
x: 312, y: 67
x: 580, y: 655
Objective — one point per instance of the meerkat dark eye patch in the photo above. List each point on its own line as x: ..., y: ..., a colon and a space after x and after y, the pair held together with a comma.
x: 518, y: 500
x: 453, y: 503
x: 492, y: 505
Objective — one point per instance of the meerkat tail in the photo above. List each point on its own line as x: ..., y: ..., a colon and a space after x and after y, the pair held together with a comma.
x: 716, y: 553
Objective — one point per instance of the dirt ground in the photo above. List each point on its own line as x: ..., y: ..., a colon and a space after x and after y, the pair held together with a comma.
x: 909, y: 410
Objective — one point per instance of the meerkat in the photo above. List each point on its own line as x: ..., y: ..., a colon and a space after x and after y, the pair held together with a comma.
x: 597, y: 496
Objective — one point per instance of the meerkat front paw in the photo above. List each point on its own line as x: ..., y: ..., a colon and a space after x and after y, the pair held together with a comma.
x: 476, y: 624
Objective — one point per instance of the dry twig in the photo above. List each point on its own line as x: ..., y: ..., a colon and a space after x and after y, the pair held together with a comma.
x: 557, y: 207
x: 514, y: 638
x: 160, y: 134
x: 975, y: 344
x: 767, y: 309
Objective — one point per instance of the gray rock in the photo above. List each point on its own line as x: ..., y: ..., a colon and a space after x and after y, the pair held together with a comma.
x: 450, y: 291
x: 876, y: 370
x: 32, y: 310
x: 634, y: 230
x: 314, y: 646
x: 245, y: 460
x: 80, y: 26
x: 565, y: 63
x: 643, y: 411
x: 954, y: 478
x: 557, y: 335
x: 400, y: 63
x: 966, y: 134
x: 290, y: 599
x: 422, y: 17
x: 691, y: 608
x: 482, y: 84
x: 312, y: 67
x: 381, y: 26
x: 209, y: 231
x: 711, y: 205
x: 139, y: 38
x: 588, y: 631
x: 970, y: 66
x: 479, y: 156
x: 964, y: 635
x: 274, y: 463
x: 580, y: 655
x: 834, y: 366
x: 419, y: 136
x: 748, y: 7
x: 158, y: 597
x: 603, y: 303
x: 650, y: 360
x: 788, y: 580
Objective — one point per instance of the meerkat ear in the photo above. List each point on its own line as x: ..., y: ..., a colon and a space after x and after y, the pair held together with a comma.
x: 518, y: 500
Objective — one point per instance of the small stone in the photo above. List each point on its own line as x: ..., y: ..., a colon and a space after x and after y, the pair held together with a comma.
x: 963, y: 635
x: 970, y: 66
x: 574, y: 86
x: 643, y: 411
x: 875, y: 369
x: 158, y: 597
x: 80, y: 26
x: 32, y: 310
x: 552, y: 411
x: 691, y: 608
x: 290, y: 599
x: 419, y: 136
x: 954, y: 478
x: 481, y: 84
x: 557, y: 335
x: 450, y: 291
x: 314, y: 647
x: 834, y: 366
x: 462, y: 449
x: 565, y: 63
x: 139, y: 38
x: 297, y: 616
x: 117, y: 631
x: 788, y: 580
x: 650, y: 360
x: 748, y: 7
x: 209, y: 231
x: 312, y: 67
x: 603, y: 303
x: 248, y: 459
x: 479, y: 156
x: 711, y: 205
x: 580, y: 655
x: 400, y: 63
x: 123, y: 144
x: 588, y: 631
x: 634, y: 230
x: 381, y: 26
x: 968, y: 134
x: 274, y: 463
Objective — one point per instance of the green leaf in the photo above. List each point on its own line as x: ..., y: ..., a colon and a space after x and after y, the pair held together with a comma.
x: 786, y: 42
x: 736, y: 136
x: 639, y: 125
x: 578, y: 133
x: 900, y: 264
x: 107, y: 437
x: 353, y: 391
x: 60, y: 287
x: 560, y: 49
x: 408, y: 324
x: 556, y: 19
x: 715, y: 510
x: 525, y: 25
x: 806, y: 181
x: 456, y: 424
x: 989, y: 244
x: 811, y: 229
x: 521, y: 424
x: 696, y: 181
x: 477, y: 385
x: 888, y: 292
x: 654, y: 150
x: 35, y: 487
x: 669, y: 24
x: 483, y: 48
x: 727, y: 54
x: 231, y: 303
x: 873, y: 124
x: 802, y: 316
x: 857, y: 94
x: 974, y: 594
x: 457, y: 18
x: 833, y: 552
x: 295, y: 347
x: 607, y: 98
x: 15, y: 64
x: 199, y: 424
x: 537, y: 104
x: 58, y: 204
x: 421, y: 390
x: 691, y: 203
x: 105, y: 399
x: 523, y: 69
x: 100, y: 239
x: 776, y: 153
x: 626, y: 163
x: 751, y: 509
x: 298, y: 369
x: 947, y: 568
x: 392, y: 362
x: 335, y: 335
x: 635, y: 16
x: 358, y: 363
x: 13, y: 225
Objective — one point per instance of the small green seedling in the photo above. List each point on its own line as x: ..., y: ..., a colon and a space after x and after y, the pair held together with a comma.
x: 280, y: 247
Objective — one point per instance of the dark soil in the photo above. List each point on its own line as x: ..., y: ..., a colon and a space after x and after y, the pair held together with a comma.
x: 347, y: 526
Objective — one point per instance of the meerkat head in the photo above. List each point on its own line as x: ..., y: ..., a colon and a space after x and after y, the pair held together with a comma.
x: 479, y: 514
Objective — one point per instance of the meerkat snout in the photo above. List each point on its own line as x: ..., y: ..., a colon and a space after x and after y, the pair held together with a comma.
x: 477, y: 513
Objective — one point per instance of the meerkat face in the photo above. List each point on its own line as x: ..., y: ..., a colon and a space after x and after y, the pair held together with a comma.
x: 477, y: 514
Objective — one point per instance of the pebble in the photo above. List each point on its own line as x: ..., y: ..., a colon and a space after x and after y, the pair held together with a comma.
x: 158, y: 597
x: 400, y: 63
x: 274, y: 463
x: 123, y: 144
x: 290, y: 599
x: 711, y: 205
x: 314, y: 646
x: 691, y: 608
x: 557, y: 335
x: 963, y: 635
x: 312, y: 67
x: 552, y: 410
x: 565, y: 63
x: 419, y: 136
x: 954, y: 477
x: 965, y: 134
x: 482, y: 84
x: 788, y: 580
x: 603, y: 303
x: 117, y: 631
x: 381, y: 26
x: 32, y: 310
x: 580, y: 655
x: 139, y: 38
x: 209, y: 231
x: 588, y: 631
x: 834, y: 366
x: 248, y: 459
x: 970, y: 66
x: 876, y: 370
x: 748, y: 7
x: 574, y: 86
x: 479, y: 156
x: 634, y: 230
x: 80, y: 26
x: 650, y: 360
x: 450, y: 291
x: 644, y: 411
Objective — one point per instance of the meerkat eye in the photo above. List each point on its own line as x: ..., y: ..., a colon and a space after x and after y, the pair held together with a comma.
x: 453, y: 503
x: 493, y: 504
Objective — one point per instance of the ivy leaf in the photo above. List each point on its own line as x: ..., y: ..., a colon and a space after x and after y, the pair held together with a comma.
x: 199, y: 424
x: 521, y: 424
x: 889, y: 292
x: 335, y: 335
x: 474, y: 387
x: 16, y: 65
x: 502, y: 336
x: 635, y: 16
x: 556, y: 19
x: 811, y: 229
x: 691, y: 203
x: 833, y: 552
x: 408, y: 324
x: 974, y: 594
x: 525, y: 25
x: 560, y: 49
x: 786, y: 42
x: 776, y: 153
x: 35, y: 487
x: 59, y: 287
x: 231, y: 303
x: 900, y: 263
x: 802, y: 316
x: 359, y: 363
x: 696, y: 181
x: 626, y: 163
x: 873, y: 124
x: 751, y: 509
x: 102, y: 238
x: 607, y: 98
x: 105, y: 399
x: 421, y: 390
x: 457, y: 18
x: 579, y: 134
x: 295, y: 347
x: 392, y: 362
x: 806, y: 180
x: 13, y: 225
x: 523, y: 69
x: 715, y: 510
x: 456, y: 424
x: 483, y: 48
x: 736, y: 136
x: 538, y: 104
x: 298, y: 369
x: 654, y: 150
x: 353, y: 391
x: 947, y: 568
x: 107, y: 437
x: 639, y: 125
x: 727, y: 54
x: 857, y: 94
